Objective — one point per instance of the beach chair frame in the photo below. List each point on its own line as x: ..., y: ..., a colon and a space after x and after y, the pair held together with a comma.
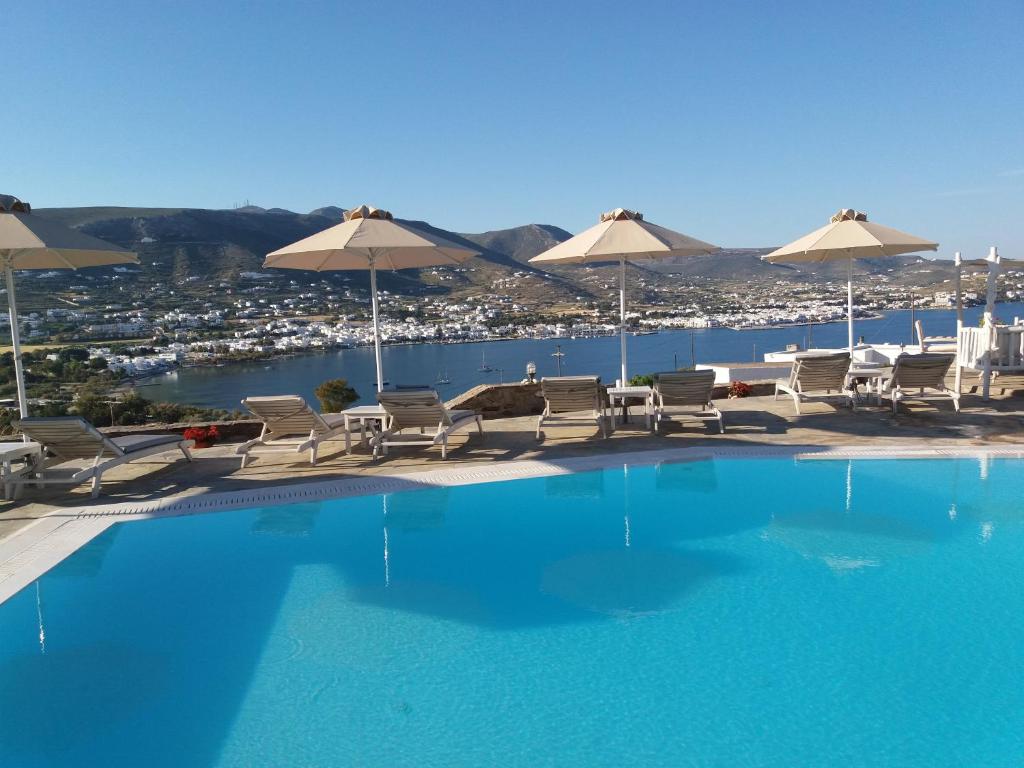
x: 423, y: 411
x: 69, y: 438
x: 565, y: 396
x: 816, y: 376
x: 290, y: 425
x: 686, y: 388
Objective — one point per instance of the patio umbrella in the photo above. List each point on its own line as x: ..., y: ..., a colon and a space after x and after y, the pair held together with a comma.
x: 29, y: 242
x: 848, y: 236
x: 369, y: 238
x: 622, y: 236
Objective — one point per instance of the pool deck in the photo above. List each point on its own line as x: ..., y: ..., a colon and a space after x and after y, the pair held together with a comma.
x: 750, y: 423
x: 47, y: 523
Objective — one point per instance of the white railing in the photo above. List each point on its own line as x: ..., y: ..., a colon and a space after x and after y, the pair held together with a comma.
x: 991, y: 349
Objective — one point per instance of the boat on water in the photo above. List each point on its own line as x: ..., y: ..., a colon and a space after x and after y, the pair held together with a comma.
x: 484, y: 367
x: 442, y: 378
x: 644, y: 333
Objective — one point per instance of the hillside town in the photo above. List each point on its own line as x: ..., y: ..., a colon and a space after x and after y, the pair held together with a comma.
x: 269, y: 316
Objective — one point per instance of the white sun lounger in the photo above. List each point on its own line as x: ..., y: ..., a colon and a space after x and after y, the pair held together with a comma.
x: 919, y: 372
x: 933, y: 343
x: 290, y: 425
x: 69, y: 438
x: 567, y: 398
x: 817, y: 376
x: 688, y: 389
x: 419, y: 410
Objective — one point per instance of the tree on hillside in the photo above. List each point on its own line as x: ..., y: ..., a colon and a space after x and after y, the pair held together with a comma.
x: 335, y: 395
x: 68, y: 354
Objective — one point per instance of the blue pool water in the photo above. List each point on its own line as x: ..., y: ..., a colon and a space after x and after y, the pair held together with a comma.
x: 717, y: 613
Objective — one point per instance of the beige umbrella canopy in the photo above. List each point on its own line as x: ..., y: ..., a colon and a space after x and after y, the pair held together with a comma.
x: 848, y: 236
x: 369, y: 238
x: 29, y: 242
x: 622, y: 235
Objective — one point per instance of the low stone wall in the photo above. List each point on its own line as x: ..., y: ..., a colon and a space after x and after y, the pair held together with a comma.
x: 501, y: 401
x: 230, y: 431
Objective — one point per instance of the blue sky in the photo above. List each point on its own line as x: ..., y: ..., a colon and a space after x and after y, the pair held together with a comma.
x: 744, y: 124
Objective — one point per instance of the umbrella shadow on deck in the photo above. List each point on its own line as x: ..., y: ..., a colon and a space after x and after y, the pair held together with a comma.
x: 737, y: 422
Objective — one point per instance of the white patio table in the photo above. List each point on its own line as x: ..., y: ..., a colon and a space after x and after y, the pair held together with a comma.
x: 622, y: 394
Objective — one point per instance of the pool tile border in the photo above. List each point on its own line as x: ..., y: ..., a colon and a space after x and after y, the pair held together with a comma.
x: 33, y: 550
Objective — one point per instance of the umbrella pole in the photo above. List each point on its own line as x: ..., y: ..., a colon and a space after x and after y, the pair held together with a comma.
x: 958, y: 260
x: 991, y: 285
x: 991, y: 293
x: 849, y: 306
x: 376, y: 325
x: 19, y: 371
x: 622, y: 316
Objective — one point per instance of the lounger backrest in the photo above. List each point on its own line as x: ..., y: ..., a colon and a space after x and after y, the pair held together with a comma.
x: 814, y: 373
x: 927, y: 370
x: 567, y: 394
x: 685, y: 387
x: 414, y: 409
x: 286, y: 415
x: 68, y: 437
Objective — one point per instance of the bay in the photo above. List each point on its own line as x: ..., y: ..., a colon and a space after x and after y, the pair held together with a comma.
x: 225, y: 386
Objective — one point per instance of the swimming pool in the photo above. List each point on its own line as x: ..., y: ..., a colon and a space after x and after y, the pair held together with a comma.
x: 756, y: 612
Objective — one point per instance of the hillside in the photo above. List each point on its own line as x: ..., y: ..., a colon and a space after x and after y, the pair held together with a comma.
x: 521, y: 243
x: 216, y: 246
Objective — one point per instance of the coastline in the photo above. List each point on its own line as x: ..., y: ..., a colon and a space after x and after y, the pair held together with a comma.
x: 430, y: 363
x: 806, y: 323
x: 225, y: 361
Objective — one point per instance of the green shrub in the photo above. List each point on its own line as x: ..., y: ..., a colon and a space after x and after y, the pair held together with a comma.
x: 79, y: 354
x: 335, y: 395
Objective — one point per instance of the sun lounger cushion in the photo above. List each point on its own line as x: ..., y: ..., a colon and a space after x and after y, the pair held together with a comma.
x: 135, y: 443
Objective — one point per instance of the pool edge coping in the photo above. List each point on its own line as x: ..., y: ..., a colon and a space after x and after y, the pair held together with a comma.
x: 33, y: 550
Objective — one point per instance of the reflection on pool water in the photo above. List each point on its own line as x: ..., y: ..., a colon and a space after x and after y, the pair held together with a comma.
x: 730, y: 612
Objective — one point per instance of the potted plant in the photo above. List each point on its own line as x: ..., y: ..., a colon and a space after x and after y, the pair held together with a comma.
x: 204, y: 437
x: 739, y: 389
